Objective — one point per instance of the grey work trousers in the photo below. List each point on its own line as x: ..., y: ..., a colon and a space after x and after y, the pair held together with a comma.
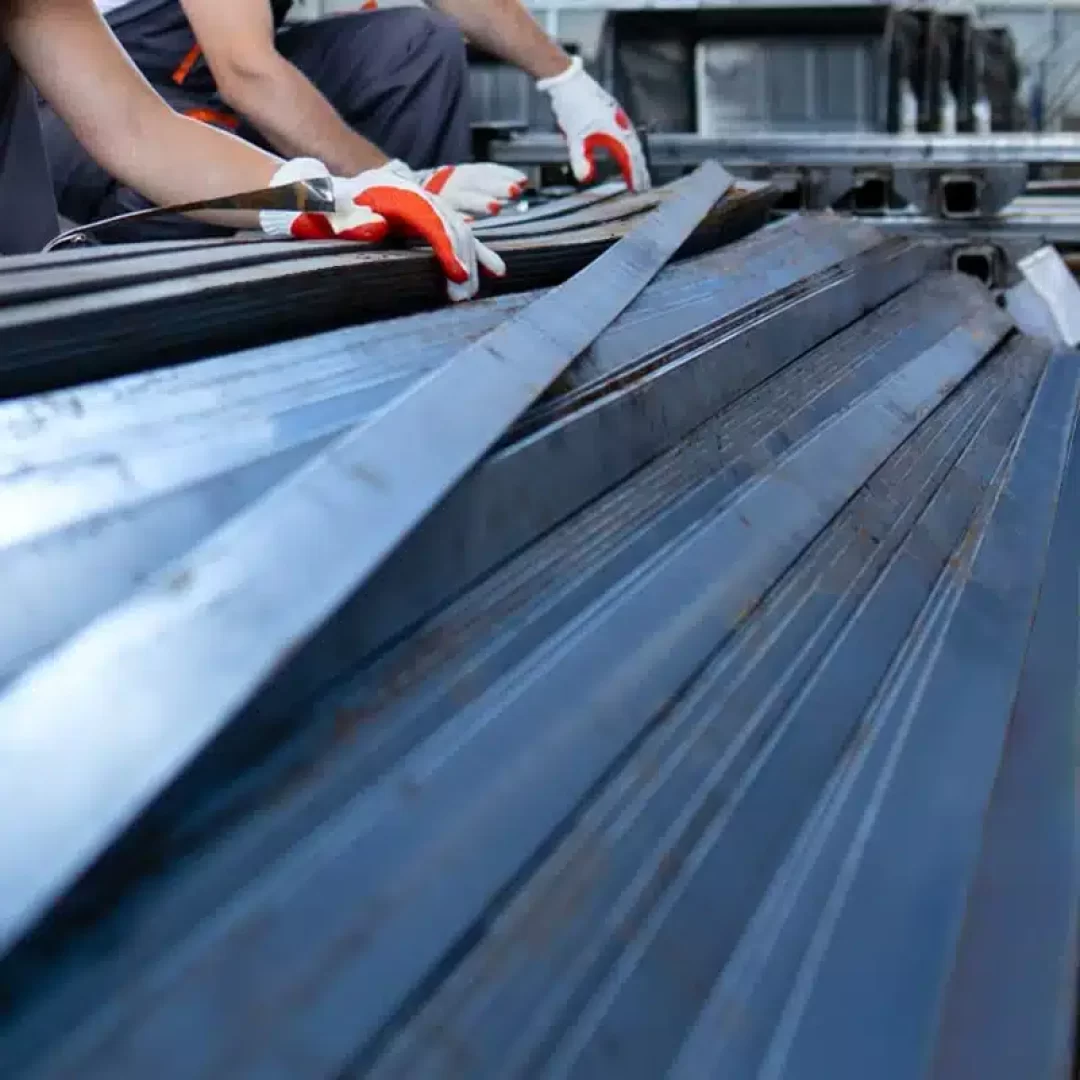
x: 399, y: 77
x: 27, y: 210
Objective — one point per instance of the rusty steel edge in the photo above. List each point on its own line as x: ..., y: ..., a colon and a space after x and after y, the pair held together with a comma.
x: 224, y: 619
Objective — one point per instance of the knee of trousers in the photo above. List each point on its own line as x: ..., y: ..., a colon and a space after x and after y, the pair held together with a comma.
x: 422, y: 41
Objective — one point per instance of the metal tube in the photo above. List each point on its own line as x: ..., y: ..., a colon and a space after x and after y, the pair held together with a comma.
x: 811, y: 149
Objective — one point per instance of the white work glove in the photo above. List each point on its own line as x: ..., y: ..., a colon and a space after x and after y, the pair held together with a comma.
x: 591, y: 120
x: 382, y: 201
x: 477, y: 189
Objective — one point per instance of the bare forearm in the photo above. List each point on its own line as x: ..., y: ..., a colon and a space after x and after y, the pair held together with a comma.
x: 69, y: 53
x: 227, y: 165
x: 297, y: 120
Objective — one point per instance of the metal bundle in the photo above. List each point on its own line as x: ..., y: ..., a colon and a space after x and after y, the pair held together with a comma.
x: 74, y: 316
x: 716, y: 722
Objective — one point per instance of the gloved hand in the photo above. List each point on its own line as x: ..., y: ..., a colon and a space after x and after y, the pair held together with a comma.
x: 384, y: 200
x: 592, y: 120
x: 478, y: 189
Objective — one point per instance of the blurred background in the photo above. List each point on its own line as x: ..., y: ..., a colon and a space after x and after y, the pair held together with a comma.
x: 831, y: 67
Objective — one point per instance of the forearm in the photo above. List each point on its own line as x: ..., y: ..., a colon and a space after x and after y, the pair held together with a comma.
x: 507, y: 30
x: 68, y: 52
x: 294, y: 118
x: 226, y: 166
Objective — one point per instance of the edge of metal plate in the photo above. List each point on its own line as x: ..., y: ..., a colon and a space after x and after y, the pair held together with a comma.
x: 123, y: 708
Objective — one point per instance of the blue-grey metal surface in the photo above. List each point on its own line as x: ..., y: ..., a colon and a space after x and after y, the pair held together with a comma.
x: 218, y: 623
x: 107, y: 483
x: 1009, y: 1009
x: 896, y: 907
x: 547, y: 211
x: 733, y: 590
x: 736, y: 739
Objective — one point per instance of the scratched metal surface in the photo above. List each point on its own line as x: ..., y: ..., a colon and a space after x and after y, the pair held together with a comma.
x: 223, y: 619
x: 90, y: 316
x: 101, y: 486
x: 741, y: 749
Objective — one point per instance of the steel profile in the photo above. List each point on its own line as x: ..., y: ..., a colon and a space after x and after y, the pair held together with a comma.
x: 809, y: 149
x: 219, y: 623
x: 1011, y: 1001
x: 428, y: 813
x: 195, y: 444
x: 177, y: 312
x: 737, y: 760
x: 919, y: 826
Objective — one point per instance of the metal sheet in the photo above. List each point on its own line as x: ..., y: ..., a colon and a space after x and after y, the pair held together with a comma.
x: 1012, y: 994
x: 888, y: 931
x: 477, y: 799
x: 109, y: 483
x: 221, y: 621
x: 160, y: 320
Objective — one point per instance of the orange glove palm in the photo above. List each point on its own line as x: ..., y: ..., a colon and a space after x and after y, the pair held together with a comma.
x: 592, y: 120
x: 388, y: 200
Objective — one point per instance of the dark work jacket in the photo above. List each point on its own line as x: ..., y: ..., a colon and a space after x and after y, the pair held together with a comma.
x: 158, y: 37
x: 28, y: 218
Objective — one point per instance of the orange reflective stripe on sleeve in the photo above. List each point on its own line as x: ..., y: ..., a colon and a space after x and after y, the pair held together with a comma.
x: 183, y: 69
x: 215, y: 117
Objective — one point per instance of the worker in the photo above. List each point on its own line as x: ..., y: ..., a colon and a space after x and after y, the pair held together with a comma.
x: 356, y: 91
x: 66, y: 50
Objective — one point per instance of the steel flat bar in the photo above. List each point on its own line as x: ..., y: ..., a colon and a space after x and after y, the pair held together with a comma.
x: 866, y: 1001
x: 485, y: 519
x: 189, y: 650
x: 735, y: 761
x: 1011, y: 1004
x: 617, y: 209
x: 807, y: 757
x: 782, y: 408
x: 156, y: 323
x: 127, y: 501
x: 98, y: 276
x: 261, y: 381
x: 547, y: 211
x: 810, y: 149
x: 14, y: 264
x: 478, y: 798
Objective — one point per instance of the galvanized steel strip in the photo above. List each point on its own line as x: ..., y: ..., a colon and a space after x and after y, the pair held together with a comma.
x: 826, y: 741
x: 118, y: 712
x: 1010, y: 1010
x: 172, y: 466
x: 867, y: 998
x: 657, y: 882
x: 478, y: 797
x: 550, y: 211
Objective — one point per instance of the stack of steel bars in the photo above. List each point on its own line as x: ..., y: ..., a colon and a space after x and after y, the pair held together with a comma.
x: 407, y: 700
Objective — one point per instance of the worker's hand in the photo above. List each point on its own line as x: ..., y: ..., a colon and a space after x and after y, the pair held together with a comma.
x: 477, y: 189
x: 350, y: 222
x: 592, y: 120
x: 388, y: 200
x: 393, y: 193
